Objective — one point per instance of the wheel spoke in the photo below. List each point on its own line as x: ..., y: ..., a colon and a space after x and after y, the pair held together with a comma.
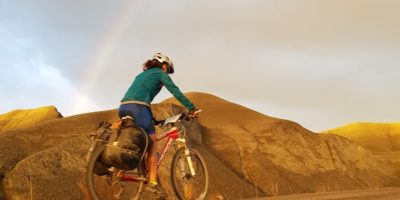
x: 187, y: 186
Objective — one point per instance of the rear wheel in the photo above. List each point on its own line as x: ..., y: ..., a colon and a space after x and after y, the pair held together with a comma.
x: 186, y: 186
x: 104, y: 183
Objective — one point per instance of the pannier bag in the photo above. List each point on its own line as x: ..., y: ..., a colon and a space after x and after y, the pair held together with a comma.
x: 102, y: 133
x: 126, y: 146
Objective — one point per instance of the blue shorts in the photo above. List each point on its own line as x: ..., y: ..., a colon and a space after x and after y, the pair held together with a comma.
x: 142, y: 115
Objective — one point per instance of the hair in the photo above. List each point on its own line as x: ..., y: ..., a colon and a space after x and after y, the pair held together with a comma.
x: 151, y: 64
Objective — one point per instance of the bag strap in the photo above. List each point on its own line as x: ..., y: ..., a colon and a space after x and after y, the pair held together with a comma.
x: 128, y: 121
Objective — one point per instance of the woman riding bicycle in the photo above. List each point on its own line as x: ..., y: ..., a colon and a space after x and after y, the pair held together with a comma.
x: 136, y: 104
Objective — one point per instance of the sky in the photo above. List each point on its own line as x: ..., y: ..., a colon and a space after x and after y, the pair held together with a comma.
x: 322, y: 64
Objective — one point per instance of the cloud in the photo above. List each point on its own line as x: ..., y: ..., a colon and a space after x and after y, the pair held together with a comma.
x: 28, y: 81
x: 321, y: 63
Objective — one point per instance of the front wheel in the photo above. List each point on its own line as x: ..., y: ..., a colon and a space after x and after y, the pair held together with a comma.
x: 186, y: 185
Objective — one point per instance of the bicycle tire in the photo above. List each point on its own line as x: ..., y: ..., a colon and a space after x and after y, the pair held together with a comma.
x: 185, y: 185
x: 101, y: 186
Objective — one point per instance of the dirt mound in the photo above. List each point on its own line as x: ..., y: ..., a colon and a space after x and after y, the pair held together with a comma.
x: 372, y: 194
x: 53, y: 173
x: 378, y: 137
x: 383, y: 139
x: 26, y: 142
x: 47, y: 161
x: 27, y: 118
x: 18, y: 145
x: 248, y: 155
x: 280, y: 156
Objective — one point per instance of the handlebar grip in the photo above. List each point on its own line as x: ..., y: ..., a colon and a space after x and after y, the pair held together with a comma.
x: 198, y: 111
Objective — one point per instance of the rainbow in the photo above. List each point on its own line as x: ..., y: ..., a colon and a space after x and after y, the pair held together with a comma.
x: 96, y: 64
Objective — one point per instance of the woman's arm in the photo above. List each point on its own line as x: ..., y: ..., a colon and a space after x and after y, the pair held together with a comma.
x: 169, y: 84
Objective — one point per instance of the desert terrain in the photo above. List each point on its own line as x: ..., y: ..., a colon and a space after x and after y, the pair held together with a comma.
x: 373, y: 194
x: 248, y: 154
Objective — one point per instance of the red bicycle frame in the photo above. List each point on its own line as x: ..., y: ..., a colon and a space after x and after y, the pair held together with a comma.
x: 172, y: 135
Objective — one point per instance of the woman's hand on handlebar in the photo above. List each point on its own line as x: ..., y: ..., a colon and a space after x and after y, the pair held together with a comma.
x: 194, y: 113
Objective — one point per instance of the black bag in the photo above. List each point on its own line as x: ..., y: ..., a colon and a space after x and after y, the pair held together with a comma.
x: 102, y: 133
x: 126, y: 146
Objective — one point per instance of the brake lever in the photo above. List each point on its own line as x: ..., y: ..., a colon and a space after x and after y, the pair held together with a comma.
x: 188, y: 118
x: 195, y: 115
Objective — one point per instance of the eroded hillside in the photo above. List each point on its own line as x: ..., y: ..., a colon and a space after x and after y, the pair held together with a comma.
x: 47, y: 160
x: 382, y: 139
x: 19, y: 119
x: 378, y: 137
x: 280, y: 156
x: 248, y: 155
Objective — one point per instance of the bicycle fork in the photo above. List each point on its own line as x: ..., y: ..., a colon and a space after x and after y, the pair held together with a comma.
x: 187, y: 155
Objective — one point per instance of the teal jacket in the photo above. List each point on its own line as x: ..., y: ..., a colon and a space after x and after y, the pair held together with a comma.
x: 149, y: 83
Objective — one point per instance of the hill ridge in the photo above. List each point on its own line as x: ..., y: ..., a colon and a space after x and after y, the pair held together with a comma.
x: 25, y: 118
x: 247, y: 152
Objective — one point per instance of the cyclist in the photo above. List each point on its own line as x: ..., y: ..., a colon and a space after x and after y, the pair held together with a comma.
x: 137, y: 99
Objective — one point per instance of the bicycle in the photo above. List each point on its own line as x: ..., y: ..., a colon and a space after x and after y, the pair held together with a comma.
x: 189, y: 173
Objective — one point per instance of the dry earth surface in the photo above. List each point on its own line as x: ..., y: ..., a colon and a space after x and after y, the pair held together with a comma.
x: 18, y: 119
x: 383, y: 139
x: 378, y: 137
x: 375, y: 194
x: 281, y: 157
x: 248, y: 154
x: 47, y: 160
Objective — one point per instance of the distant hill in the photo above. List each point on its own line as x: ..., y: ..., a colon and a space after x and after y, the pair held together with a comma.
x: 27, y: 118
x: 383, y: 139
x: 378, y: 137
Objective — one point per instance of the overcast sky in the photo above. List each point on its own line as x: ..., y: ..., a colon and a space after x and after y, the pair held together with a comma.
x: 322, y: 64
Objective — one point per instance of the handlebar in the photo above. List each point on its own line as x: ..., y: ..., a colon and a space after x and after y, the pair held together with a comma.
x: 183, y: 116
x: 158, y: 122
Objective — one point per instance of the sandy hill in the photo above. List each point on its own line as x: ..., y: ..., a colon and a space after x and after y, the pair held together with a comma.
x: 50, y: 156
x: 383, y: 139
x: 280, y: 156
x: 27, y: 118
x: 379, y: 137
x: 248, y: 155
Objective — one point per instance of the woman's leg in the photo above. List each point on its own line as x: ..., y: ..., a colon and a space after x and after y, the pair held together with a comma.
x: 143, y: 118
x: 152, y: 160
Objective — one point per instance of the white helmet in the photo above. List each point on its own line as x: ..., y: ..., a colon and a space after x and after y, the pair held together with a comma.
x: 162, y: 58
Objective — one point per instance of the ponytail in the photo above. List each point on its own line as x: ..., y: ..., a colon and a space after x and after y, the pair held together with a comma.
x: 151, y: 64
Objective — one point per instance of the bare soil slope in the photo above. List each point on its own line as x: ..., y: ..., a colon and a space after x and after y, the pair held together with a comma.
x: 378, y: 137
x: 25, y: 154
x: 27, y: 118
x: 282, y: 157
x: 373, y: 194
x: 248, y: 155
x: 47, y: 160
x: 383, y: 139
